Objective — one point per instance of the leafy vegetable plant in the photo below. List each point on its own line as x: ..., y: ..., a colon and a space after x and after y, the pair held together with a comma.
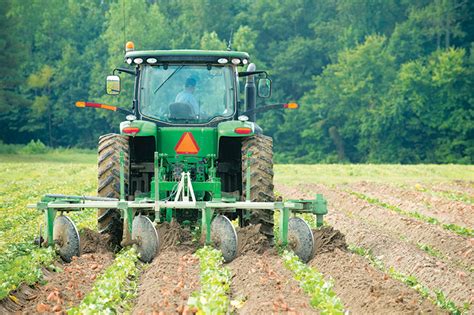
x: 215, y: 283
x: 115, y: 288
x: 313, y: 283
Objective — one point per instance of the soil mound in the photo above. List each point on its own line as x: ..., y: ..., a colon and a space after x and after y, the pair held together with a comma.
x: 327, y: 239
x: 172, y: 234
x: 251, y: 240
x: 93, y: 242
x: 166, y: 285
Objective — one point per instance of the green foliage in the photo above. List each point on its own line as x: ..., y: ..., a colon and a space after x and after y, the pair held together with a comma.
x: 34, y: 147
x: 212, y: 298
x: 312, y: 282
x: 379, y: 81
x: 22, y: 263
x: 115, y: 289
x: 20, y: 260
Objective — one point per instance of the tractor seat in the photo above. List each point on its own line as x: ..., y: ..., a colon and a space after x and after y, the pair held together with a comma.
x: 181, y: 111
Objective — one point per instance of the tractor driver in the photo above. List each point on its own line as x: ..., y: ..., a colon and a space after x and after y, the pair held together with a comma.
x: 187, y: 95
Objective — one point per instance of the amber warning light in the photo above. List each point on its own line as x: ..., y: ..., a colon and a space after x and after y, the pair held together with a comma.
x: 129, y: 46
x: 291, y: 106
x: 187, y: 144
x: 96, y: 105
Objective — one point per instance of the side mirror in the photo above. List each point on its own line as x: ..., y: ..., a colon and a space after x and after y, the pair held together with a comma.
x: 264, y: 87
x: 112, y: 86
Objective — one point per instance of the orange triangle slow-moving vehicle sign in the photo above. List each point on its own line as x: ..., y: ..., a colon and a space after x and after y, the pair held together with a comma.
x: 187, y: 144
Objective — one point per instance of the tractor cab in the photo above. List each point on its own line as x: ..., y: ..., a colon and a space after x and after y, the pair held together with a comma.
x: 187, y: 87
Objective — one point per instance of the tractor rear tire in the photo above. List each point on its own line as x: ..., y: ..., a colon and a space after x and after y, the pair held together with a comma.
x: 261, y: 180
x: 109, y: 220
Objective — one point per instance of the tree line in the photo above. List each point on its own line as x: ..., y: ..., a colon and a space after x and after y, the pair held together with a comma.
x: 379, y: 81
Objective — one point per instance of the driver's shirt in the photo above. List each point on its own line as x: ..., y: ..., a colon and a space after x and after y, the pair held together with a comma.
x: 188, y: 97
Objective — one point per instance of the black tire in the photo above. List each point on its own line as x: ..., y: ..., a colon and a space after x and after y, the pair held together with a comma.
x: 109, y: 220
x: 261, y: 179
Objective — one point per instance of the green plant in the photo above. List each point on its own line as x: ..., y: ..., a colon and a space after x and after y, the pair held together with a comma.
x: 212, y: 298
x: 437, y: 297
x: 114, y: 289
x: 22, y: 263
x: 450, y: 227
x: 323, y: 298
x: 34, y: 147
x: 430, y: 250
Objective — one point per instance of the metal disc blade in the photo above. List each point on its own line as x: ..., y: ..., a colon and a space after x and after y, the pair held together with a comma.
x: 224, y: 237
x: 65, y: 235
x: 300, y: 238
x: 146, y: 236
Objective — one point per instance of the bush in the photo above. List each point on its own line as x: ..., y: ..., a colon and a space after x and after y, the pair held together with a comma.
x: 34, y: 147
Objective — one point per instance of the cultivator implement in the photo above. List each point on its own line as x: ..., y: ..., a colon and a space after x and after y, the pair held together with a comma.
x: 140, y: 231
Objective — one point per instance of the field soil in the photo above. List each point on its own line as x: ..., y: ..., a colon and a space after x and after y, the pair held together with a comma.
x: 68, y: 286
x: 260, y: 282
x: 169, y: 280
x: 446, y: 210
x: 393, y: 239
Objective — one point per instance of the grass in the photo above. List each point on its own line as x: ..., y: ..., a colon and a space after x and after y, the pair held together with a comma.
x: 437, y: 297
x: 332, y: 174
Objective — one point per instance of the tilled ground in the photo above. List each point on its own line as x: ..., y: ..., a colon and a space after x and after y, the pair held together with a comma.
x: 262, y: 285
x: 365, y: 290
x: 173, y: 275
x: 260, y: 280
x: 446, y: 210
x: 66, y: 288
x: 394, y: 240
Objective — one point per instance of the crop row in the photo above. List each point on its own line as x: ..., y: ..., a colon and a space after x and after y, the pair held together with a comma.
x: 323, y: 298
x: 212, y: 298
x: 436, y: 297
x: 114, y: 290
x: 463, y: 231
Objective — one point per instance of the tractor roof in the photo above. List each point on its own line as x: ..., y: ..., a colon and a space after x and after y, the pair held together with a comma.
x: 187, y: 56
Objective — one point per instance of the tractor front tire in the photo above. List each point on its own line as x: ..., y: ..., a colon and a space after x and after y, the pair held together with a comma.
x: 261, y: 180
x: 109, y: 220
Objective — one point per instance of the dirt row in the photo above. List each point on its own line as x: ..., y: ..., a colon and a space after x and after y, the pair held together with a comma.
x: 456, y: 250
x: 393, y: 239
x: 66, y: 288
x: 260, y: 282
x: 446, y: 210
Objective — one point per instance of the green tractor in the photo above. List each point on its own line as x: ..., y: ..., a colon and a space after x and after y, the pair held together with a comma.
x: 189, y: 151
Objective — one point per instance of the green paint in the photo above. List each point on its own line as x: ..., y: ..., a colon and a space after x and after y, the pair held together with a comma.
x: 205, y: 137
x: 227, y: 128
x: 320, y: 209
x: 169, y: 215
x: 206, y: 221
x: 49, y: 216
x: 147, y: 128
x: 284, y: 217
